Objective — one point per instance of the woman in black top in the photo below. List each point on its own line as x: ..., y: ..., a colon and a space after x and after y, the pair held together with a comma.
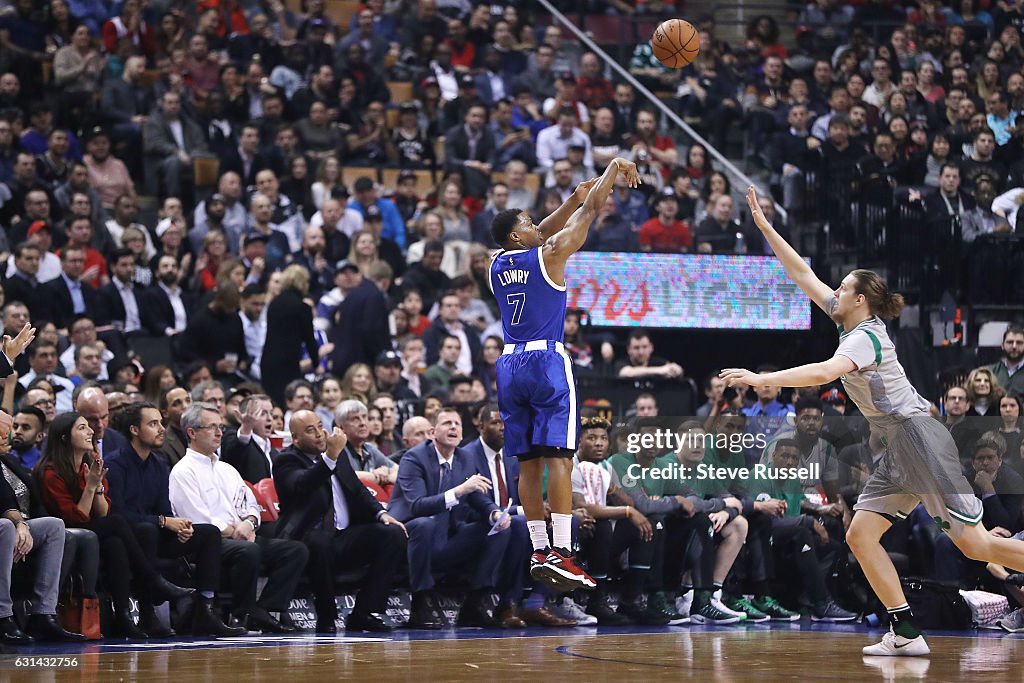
x: 289, y: 327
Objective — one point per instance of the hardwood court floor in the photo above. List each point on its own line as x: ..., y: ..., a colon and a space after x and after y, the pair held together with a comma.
x: 732, y: 655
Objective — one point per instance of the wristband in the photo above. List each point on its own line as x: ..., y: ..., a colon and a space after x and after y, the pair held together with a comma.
x: 629, y: 512
x: 163, y: 522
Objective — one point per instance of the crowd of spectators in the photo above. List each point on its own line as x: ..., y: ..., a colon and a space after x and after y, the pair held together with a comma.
x: 254, y: 243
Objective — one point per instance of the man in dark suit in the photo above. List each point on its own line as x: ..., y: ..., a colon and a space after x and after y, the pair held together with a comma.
x: 68, y: 296
x: 503, y: 472
x: 449, y: 323
x: 248, y: 450
x: 23, y: 286
x: 165, y: 307
x: 448, y: 512
x: 360, y: 328
x: 117, y: 302
x: 325, y: 505
x: 469, y: 149
x: 246, y: 160
x: 169, y: 141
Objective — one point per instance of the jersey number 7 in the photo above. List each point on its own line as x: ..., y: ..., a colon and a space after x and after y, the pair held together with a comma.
x: 518, y: 303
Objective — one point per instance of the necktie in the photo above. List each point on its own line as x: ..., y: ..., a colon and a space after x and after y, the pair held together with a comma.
x: 446, y: 477
x: 502, y: 489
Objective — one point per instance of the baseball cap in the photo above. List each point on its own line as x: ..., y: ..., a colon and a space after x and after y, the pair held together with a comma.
x: 363, y: 184
x: 317, y: 23
x: 372, y: 212
x: 38, y: 226
x: 466, y: 81
x: 406, y: 174
x: 343, y: 264
x: 96, y: 132
x: 255, y: 237
x: 406, y: 107
x: 579, y: 147
x: 566, y: 76
x: 388, y: 358
x: 428, y: 81
x: 217, y: 197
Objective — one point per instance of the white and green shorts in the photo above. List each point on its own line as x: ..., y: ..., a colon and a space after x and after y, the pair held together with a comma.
x: 921, y: 465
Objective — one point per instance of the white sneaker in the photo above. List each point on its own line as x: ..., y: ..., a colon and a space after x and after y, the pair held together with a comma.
x: 893, y: 645
x: 716, y: 600
x: 1012, y: 622
x: 683, y: 603
x: 568, y: 609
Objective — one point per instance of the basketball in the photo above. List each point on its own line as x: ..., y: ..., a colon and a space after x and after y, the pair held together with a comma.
x: 676, y: 43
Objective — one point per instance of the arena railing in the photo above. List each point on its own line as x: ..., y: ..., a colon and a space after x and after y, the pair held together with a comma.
x: 739, y: 178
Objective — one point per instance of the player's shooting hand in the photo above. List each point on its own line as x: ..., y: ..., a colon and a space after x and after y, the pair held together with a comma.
x: 755, y: 210
x: 628, y: 171
x: 737, y: 376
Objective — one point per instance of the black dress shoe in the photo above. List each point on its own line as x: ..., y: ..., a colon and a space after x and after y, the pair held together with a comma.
x: 162, y: 590
x: 124, y: 627
x: 152, y: 625
x: 423, y: 614
x: 259, y: 618
x: 367, y: 622
x: 476, y: 611
x: 46, y: 627
x: 205, y: 622
x: 10, y: 634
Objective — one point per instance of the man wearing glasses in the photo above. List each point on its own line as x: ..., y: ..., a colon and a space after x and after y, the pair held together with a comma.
x: 208, y: 491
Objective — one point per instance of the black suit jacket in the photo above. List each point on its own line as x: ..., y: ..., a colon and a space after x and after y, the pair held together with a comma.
x: 110, y: 307
x: 456, y: 154
x: 156, y: 311
x: 435, y: 334
x: 18, y: 288
x: 303, y: 487
x: 246, y: 457
x: 232, y: 161
x: 62, y: 309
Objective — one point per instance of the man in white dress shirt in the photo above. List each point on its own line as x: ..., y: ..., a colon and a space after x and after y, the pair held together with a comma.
x: 208, y: 491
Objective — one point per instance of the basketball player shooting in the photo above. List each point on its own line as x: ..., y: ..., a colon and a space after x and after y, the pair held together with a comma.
x: 921, y: 463
x: 536, y: 393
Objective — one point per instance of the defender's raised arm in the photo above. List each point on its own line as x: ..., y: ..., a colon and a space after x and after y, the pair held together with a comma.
x: 797, y: 269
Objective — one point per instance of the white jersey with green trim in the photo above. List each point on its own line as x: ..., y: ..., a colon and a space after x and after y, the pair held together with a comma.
x: 879, y: 386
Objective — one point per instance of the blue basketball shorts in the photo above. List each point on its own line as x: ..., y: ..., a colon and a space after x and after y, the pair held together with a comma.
x: 537, y: 397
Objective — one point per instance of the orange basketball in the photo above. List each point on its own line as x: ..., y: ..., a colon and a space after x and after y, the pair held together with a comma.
x: 675, y: 43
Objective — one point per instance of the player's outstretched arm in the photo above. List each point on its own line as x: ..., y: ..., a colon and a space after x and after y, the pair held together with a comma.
x: 560, y: 216
x: 797, y: 269
x: 811, y: 375
x: 571, y: 239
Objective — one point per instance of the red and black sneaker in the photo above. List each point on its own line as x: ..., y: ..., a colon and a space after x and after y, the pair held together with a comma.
x: 560, y: 569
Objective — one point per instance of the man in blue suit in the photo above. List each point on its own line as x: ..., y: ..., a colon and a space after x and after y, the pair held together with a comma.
x: 503, y: 472
x: 448, y: 512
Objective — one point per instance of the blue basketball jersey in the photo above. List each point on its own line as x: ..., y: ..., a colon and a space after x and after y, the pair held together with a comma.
x: 532, y: 306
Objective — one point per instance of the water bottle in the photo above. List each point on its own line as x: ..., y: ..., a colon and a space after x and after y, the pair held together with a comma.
x: 741, y: 244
